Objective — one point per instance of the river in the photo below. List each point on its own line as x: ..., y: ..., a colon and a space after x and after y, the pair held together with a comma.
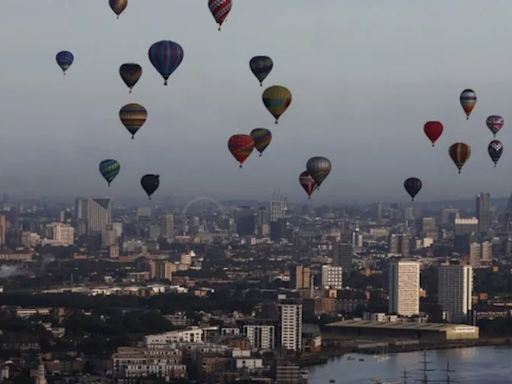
x: 476, y: 365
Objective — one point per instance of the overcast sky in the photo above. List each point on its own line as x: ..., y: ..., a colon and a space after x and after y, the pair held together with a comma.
x: 365, y: 77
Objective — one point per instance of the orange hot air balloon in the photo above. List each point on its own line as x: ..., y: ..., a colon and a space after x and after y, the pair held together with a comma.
x: 459, y: 153
x: 241, y: 147
x: 468, y: 101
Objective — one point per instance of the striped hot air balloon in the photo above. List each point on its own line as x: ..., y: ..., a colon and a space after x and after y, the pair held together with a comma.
x: 277, y: 99
x: 459, y: 153
x: 220, y: 10
x: 109, y: 169
x: 468, y: 101
x: 133, y: 116
x: 261, y: 66
x: 166, y: 56
x: 241, y: 147
x: 262, y: 138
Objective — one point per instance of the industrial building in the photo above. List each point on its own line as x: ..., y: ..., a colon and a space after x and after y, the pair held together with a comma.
x: 412, y: 330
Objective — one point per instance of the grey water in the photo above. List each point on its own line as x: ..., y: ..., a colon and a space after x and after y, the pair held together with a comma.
x: 471, y: 365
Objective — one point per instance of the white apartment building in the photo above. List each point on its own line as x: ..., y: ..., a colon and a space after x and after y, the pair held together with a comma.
x: 59, y: 234
x: 480, y: 254
x: 455, y: 287
x: 189, y: 335
x: 404, y: 288
x: 291, y: 326
x: 260, y: 336
x: 332, y: 277
x: 130, y: 363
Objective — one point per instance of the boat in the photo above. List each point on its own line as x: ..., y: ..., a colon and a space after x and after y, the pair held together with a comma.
x: 351, y: 358
x: 361, y: 359
x: 332, y: 381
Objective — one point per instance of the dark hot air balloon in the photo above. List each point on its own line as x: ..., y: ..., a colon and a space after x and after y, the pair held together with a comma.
x: 412, y: 185
x: 468, y: 101
x: 433, y: 130
x: 495, y: 150
x: 130, y: 73
x: 220, y: 10
x: 150, y: 184
x: 241, y: 147
x: 494, y: 123
x: 166, y: 56
x: 109, y: 169
x: 459, y: 153
x: 319, y: 168
x: 277, y: 99
x: 307, y: 182
x: 133, y: 116
x: 64, y: 60
x: 262, y: 138
x: 118, y: 6
x: 261, y: 66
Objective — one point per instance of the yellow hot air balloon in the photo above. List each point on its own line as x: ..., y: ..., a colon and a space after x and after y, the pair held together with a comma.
x: 277, y: 99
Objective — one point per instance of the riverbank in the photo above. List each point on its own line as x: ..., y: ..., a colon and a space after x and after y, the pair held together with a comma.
x: 328, y: 353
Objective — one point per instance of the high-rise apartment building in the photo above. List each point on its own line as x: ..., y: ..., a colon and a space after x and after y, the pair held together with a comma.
x: 400, y: 244
x: 167, y: 226
x: 483, y: 213
x: 3, y: 229
x: 160, y: 269
x: 342, y: 256
x: 404, y: 288
x: 466, y: 226
x: 480, y: 254
x: 277, y: 210
x: 260, y: 336
x: 300, y: 277
x: 455, y: 287
x: 290, y: 315
x: 332, y: 277
x: 426, y: 227
x: 59, y: 234
x: 95, y: 214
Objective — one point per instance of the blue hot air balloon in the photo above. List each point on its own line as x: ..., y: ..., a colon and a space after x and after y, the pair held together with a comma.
x: 261, y: 66
x: 166, y: 56
x: 64, y: 60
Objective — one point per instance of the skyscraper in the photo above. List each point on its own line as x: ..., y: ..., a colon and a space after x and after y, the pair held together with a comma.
x: 300, y: 277
x: 404, y: 288
x: 96, y: 213
x: 291, y: 325
x: 277, y: 209
x: 455, y: 287
x: 483, y: 213
x: 167, y: 226
x: 342, y: 256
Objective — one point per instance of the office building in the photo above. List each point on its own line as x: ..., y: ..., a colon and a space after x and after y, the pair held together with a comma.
x: 466, y: 226
x: 400, y: 244
x: 455, y: 288
x: 95, y: 214
x: 332, y: 277
x: 277, y: 210
x: 167, y: 226
x: 260, y: 336
x: 245, y: 221
x: 483, y: 213
x: 160, y: 269
x: 480, y: 254
x: 290, y: 315
x: 342, y: 254
x: 300, y: 277
x: 426, y: 227
x: 404, y: 288
x: 59, y: 235
x: 448, y: 215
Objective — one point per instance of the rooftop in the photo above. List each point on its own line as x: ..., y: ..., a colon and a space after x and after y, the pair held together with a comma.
x: 439, y: 327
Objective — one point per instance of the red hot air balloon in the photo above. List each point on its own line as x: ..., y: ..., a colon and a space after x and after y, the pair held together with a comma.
x: 241, y: 147
x: 433, y: 130
x: 220, y: 10
x: 307, y: 182
x: 459, y: 153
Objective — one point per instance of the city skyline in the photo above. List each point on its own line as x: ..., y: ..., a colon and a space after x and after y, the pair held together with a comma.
x: 342, y: 52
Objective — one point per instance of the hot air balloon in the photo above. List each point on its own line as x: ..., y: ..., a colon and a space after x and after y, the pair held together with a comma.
x: 64, y: 60
x: 412, y: 185
x: 150, y: 184
x: 495, y: 150
x: 468, y: 101
x: 220, y: 10
x: 307, y: 182
x: 319, y: 168
x: 261, y: 66
x: 262, y: 138
x: 433, y: 130
x: 109, y: 169
x: 130, y: 73
x: 118, y: 6
x: 133, y: 116
x: 494, y: 123
x: 277, y: 99
x: 166, y: 56
x: 241, y: 147
x: 459, y: 153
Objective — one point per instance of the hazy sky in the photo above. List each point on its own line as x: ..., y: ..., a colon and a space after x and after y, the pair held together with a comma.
x: 365, y: 76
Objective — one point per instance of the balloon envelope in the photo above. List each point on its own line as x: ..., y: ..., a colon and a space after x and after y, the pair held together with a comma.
x: 130, y: 73
x: 495, y: 150
x: 412, y: 185
x: 262, y: 138
x: 220, y: 10
x: 307, y: 183
x: 494, y: 123
x: 166, y: 56
x: 109, y: 169
x: 64, y: 60
x: 261, y: 66
x: 118, y: 6
x: 133, y: 116
x: 241, y: 147
x: 277, y: 99
x: 150, y: 184
x: 319, y: 168
x: 459, y: 153
x: 433, y: 130
x: 468, y: 101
